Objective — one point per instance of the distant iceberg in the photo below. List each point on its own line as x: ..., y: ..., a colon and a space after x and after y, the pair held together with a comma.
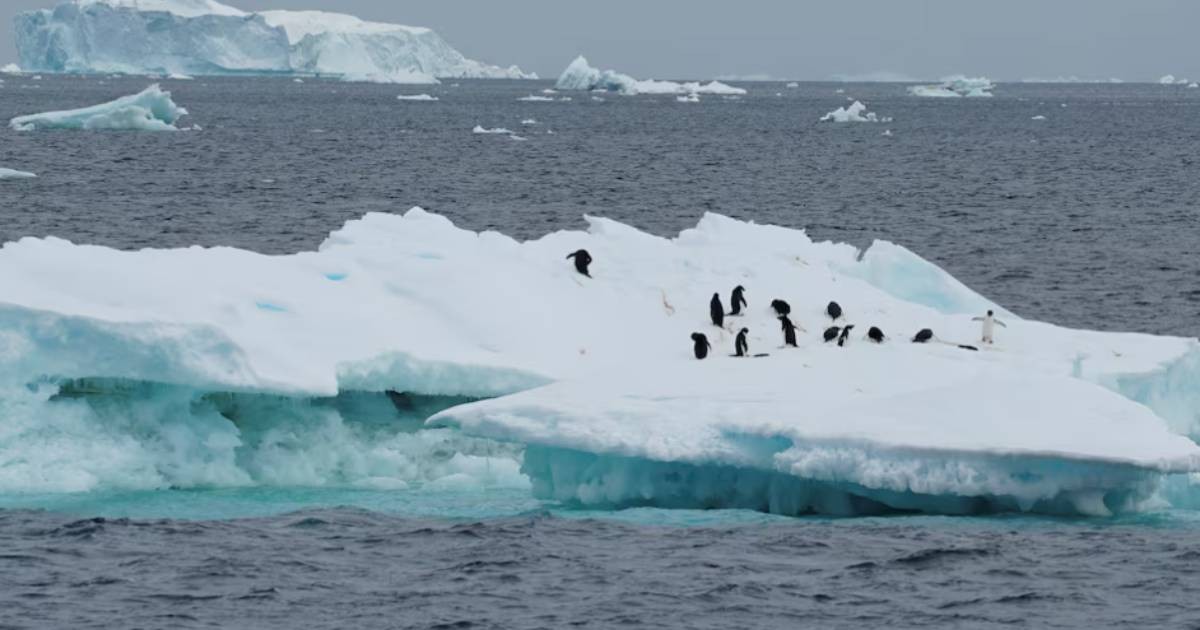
x: 205, y: 37
x: 480, y: 129
x: 579, y: 75
x: 955, y: 86
x: 149, y: 110
x: 855, y: 112
x: 8, y: 173
x: 10, y: 68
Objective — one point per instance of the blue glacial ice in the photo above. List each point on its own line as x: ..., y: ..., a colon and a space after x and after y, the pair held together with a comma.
x: 205, y: 37
x: 583, y: 390
x: 149, y: 110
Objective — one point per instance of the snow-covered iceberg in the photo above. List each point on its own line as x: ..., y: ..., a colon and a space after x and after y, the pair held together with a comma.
x: 855, y: 112
x: 212, y: 367
x: 955, y: 86
x: 579, y: 75
x: 149, y: 110
x: 205, y: 37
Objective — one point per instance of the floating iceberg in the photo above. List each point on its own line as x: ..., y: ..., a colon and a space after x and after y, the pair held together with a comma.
x: 425, y: 98
x: 10, y: 68
x: 1038, y: 117
x: 533, y: 98
x: 253, y: 371
x: 579, y: 75
x: 149, y: 110
x: 855, y: 112
x: 1167, y: 79
x: 8, y: 173
x: 955, y: 86
x: 1194, y: 85
x: 204, y: 37
x: 480, y: 129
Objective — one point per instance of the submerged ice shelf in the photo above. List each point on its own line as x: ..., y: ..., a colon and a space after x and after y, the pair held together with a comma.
x: 586, y: 384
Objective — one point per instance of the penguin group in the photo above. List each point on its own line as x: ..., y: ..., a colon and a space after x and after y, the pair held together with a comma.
x: 701, y: 347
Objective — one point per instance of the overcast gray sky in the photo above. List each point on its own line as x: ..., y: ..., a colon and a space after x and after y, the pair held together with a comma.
x: 1135, y: 40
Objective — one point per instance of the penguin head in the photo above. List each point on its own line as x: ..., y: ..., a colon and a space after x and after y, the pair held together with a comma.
x: 740, y: 288
x: 744, y: 331
x: 698, y: 337
x: 989, y: 312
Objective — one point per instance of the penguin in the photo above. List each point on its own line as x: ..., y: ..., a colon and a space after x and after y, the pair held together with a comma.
x: 834, y: 311
x: 874, y: 334
x: 789, y: 331
x: 716, y: 311
x: 738, y: 300
x: 582, y: 260
x: 781, y: 307
x: 700, y: 345
x: 989, y: 326
x: 741, y: 347
x: 923, y: 336
x: 831, y: 333
x: 845, y: 335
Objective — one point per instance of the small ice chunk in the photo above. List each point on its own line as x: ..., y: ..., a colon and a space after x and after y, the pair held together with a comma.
x: 416, y: 97
x: 8, y: 173
x: 529, y: 121
x: 793, y: 84
x: 484, y: 130
x: 1038, y: 117
x: 690, y: 98
x: 533, y: 98
x: 149, y: 110
x: 855, y: 112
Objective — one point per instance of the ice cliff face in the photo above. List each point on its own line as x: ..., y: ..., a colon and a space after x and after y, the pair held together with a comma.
x: 206, y: 37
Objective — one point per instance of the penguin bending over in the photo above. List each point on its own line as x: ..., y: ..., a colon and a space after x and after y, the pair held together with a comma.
x: 834, y: 311
x: 741, y: 348
x: 738, y: 300
x: 845, y: 335
x: 789, y: 331
x: 716, y: 311
x: 874, y: 334
x: 582, y: 260
x: 923, y: 336
x: 700, y: 345
x: 831, y: 333
x: 781, y: 307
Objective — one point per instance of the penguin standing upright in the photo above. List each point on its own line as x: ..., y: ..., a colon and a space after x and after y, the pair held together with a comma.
x: 789, y: 331
x: 716, y: 311
x: 833, y: 310
x: 741, y: 348
x: 845, y: 335
x: 700, y: 345
x: 582, y: 260
x: 737, y: 301
x: 989, y: 326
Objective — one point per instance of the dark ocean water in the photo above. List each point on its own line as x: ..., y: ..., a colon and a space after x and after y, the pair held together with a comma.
x: 1088, y: 218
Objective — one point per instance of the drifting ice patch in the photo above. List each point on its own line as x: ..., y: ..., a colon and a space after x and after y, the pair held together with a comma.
x: 480, y: 129
x: 533, y: 98
x: 581, y: 76
x: 417, y: 97
x: 1038, y: 117
x: 149, y: 110
x: 144, y: 382
x: 856, y: 112
x: 955, y: 86
x: 8, y: 173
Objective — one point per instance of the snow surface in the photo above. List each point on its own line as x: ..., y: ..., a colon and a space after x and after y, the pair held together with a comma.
x: 202, y: 37
x: 8, y: 173
x: 594, y: 376
x: 955, y: 86
x: 579, y: 75
x: 855, y: 112
x: 149, y: 110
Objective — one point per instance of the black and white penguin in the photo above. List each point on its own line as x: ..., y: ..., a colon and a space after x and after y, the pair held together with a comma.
x: 582, y: 260
x: 700, y: 345
x: 831, y: 333
x: 737, y: 301
x: 923, y: 336
x: 834, y: 311
x: 716, y: 311
x: 789, y: 331
x: 741, y: 347
x: 845, y: 335
x: 781, y: 307
x: 874, y: 334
